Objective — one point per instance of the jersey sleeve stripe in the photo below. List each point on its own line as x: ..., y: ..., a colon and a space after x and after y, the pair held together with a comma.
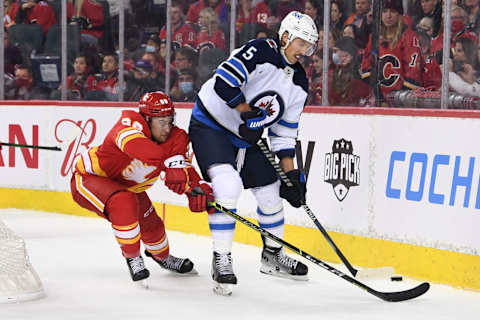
x: 240, y: 66
x: 123, y: 133
x: 227, y: 77
x: 232, y: 73
x: 128, y: 138
x: 292, y: 125
x: 92, y: 154
x: 228, y: 67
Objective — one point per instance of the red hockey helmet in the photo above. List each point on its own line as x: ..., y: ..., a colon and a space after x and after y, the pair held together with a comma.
x: 156, y: 104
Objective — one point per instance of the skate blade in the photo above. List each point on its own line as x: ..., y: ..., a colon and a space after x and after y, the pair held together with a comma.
x: 275, y: 273
x: 223, y: 289
x: 190, y: 273
x: 142, y: 284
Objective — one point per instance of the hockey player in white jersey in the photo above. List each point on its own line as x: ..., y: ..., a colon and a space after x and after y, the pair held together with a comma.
x: 261, y: 85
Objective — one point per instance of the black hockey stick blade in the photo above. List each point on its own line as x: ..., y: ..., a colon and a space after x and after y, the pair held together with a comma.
x: 403, y: 295
x: 55, y: 148
x: 386, y: 296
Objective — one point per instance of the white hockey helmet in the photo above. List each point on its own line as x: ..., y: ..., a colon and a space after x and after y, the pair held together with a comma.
x: 299, y: 25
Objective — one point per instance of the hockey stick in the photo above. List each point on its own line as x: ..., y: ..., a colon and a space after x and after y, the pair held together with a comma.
x: 55, y: 148
x: 71, y: 136
x: 387, y: 296
x: 360, y: 273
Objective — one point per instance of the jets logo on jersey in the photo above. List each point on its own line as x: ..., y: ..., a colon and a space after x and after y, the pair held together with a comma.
x: 272, y: 103
x: 342, y: 168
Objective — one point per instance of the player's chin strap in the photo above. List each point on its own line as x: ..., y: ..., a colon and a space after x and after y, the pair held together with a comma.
x: 387, y: 296
x: 378, y: 272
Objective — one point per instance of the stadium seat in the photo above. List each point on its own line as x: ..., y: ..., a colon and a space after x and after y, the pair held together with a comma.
x: 54, y: 37
x: 28, y: 37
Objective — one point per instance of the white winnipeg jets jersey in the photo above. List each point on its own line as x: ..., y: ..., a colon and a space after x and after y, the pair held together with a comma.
x: 256, y: 74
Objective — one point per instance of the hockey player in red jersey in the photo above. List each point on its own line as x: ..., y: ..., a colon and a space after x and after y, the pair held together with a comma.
x: 111, y: 180
x: 400, y: 59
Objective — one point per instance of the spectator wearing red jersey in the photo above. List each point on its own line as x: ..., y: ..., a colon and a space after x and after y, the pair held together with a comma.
x: 79, y: 82
x: 400, y: 64
x: 210, y: 35
x: 183, y: 34
x: 9, y: 13
x: 91, y: 17
x: 40, y: 13
x: 194, y: 10
x: 247, y: 13
x: 432, y: 73
x: 107, y: 87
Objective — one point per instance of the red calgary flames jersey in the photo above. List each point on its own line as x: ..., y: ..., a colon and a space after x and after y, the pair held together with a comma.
x: 129, y: 155
x: 399, y: 67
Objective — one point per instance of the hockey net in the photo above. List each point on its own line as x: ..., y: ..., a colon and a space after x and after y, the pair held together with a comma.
x: 18, y: 279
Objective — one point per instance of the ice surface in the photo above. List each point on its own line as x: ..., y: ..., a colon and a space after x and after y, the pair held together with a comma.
x: 85, y: 277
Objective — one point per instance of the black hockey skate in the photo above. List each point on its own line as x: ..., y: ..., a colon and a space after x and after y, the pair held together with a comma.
x: 276, y: 263
x: 222, y: 273
x: 137, y: 268
x: 174, y: 264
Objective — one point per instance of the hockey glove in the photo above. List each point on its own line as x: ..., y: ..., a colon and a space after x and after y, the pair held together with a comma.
x: 198, y: 198
x: 252, y: 128
x: 176, y: 179
x: 295, y: 194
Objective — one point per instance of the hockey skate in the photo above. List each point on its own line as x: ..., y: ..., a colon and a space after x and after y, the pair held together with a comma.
x: 138, y: 272
x: 174, y: 264
x: 222, y: 273
x: 276, y: 263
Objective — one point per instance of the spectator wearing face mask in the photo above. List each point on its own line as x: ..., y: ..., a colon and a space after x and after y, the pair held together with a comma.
x: 24, y: 87
x: 186, y: 90
x: 345, y: 86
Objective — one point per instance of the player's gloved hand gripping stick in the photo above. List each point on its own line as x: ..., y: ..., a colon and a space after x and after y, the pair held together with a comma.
x: 252, y: 128
x: 291, y: 181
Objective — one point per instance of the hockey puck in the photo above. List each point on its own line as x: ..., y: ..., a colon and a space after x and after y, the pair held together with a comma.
x: 396, y: 278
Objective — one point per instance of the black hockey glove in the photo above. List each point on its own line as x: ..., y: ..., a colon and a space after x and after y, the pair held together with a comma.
x: 252, y: 128
x: 295, y: 194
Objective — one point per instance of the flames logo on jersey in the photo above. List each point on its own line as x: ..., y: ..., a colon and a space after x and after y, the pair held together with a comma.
x: 342, y: 168
x: 137, y: 171
x: 273, y: 104
x: 390, y: 66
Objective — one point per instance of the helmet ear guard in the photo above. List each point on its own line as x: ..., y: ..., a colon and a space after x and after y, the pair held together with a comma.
x: 299, y: 25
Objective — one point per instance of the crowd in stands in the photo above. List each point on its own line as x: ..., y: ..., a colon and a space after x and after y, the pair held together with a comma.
x: 409, y: 47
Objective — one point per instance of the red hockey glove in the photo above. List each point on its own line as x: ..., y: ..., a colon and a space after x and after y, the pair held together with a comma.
x: 198, y: 198
x: 176, y: 179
